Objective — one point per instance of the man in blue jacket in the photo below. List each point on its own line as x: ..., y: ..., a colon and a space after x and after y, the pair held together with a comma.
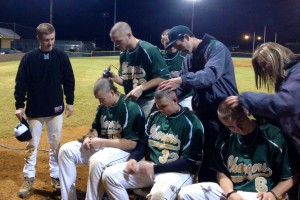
x: 208, y: 70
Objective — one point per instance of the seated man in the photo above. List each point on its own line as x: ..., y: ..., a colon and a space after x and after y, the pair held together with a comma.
x: 117, y: 127
x: 251, y: 163
x: 172, y: 146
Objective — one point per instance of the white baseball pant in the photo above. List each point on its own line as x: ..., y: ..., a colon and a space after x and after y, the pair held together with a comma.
x: 54, y: 127
x: 164, y: 185
x: 73, y: 153
x: 211, y: 191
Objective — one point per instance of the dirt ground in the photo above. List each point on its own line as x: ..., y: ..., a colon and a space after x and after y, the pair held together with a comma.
x: 12, y: 162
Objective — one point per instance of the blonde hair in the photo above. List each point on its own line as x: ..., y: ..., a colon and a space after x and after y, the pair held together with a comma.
x: 277, y: 56
x: 44, y: 29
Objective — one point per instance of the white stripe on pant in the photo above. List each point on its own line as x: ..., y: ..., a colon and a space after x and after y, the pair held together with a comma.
x: 73, y: 153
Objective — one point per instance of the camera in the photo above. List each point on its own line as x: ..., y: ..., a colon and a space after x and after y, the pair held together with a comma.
x: 106, y: 72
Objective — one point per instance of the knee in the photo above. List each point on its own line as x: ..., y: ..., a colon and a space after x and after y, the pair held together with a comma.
x: 157, y: 195
x: 62, y: 151
x: 182, y: 195
x: 106, y: 178
x: 95, y: 166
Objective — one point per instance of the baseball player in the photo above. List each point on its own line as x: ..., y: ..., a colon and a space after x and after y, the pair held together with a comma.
x: 174, y: 138
x: 42, y: 73
x: 174, y: 59
x: 117, y: 127
x: 251, y: 163
x: 142, y: 67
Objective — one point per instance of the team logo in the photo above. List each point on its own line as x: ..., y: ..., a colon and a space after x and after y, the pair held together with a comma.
x: 58, y: 109
x: 46, y: 56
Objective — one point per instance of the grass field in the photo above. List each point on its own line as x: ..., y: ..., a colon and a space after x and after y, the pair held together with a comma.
x: 86, y: 71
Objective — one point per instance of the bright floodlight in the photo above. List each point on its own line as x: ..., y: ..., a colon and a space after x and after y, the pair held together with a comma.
x: 246, y: 37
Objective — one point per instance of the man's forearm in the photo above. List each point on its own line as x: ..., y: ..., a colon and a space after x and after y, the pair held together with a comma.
x: 283, y: 186
x: 225, y: 182
x: 124, y: 144
x: 153, y: 83
x: 117, y: 80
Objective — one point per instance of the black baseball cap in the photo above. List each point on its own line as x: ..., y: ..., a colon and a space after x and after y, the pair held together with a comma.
x: 22, y: 131
x: 176, y: 33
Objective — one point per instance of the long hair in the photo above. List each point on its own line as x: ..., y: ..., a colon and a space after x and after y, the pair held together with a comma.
x: 278, y: 57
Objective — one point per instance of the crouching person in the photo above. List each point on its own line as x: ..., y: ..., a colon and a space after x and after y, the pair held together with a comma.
x: 172, y: 149
x: 117, y: 127
x: 251, y: 163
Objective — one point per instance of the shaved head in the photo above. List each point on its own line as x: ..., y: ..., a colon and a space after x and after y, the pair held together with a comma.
x: 121, y: 27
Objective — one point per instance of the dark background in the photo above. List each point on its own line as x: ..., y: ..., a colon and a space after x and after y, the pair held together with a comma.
x: 227, y: 20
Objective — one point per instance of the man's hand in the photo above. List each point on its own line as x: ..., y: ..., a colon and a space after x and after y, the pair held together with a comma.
x: 232, y: 101
x: 115, y: 78
x: 146, y: 168
x: 69, y: 110
x: 97, y: 143
x: 171, y: 84
x: 136, y: 92
x: 131, y: 167
x: 266, y: 196
x: 235, y: 196
x: 20, y: 113
x: 86, y: 143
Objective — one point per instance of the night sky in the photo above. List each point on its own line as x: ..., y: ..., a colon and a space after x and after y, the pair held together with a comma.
x: 91, y: 20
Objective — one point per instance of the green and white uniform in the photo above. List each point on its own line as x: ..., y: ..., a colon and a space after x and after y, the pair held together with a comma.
x: 170, y: 140
x: 173, y: 137
x: 123, y: 120
x: 174, y: 63
x: 139, y: 66
x: 254, y: 163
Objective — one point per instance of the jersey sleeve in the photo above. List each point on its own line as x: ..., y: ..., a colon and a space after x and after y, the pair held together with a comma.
x: 158, y: 65
x: 68, y: 81
x: 193, y: 146
x: 134, y: 121
x: 21, y: 86
x: 280, y: 155
x: 96, y: 123
x: 219, y: 158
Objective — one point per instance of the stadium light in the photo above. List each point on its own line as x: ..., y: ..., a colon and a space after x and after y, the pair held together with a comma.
x: 193, y: 11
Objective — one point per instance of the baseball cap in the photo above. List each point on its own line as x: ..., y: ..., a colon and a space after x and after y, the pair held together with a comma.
x: 22, y: 131
x: 176, y: 33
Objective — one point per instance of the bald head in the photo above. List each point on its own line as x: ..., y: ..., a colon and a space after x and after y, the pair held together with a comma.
x: 121, y: 27
x: 104, y: 85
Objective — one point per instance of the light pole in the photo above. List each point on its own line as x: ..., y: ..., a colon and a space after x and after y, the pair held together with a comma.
x: 104, y: 16
x: 115, y: 16
x: 51, y: 11
x: 193, y: 13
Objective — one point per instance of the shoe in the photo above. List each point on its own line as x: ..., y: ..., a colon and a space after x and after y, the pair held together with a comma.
x: 25, y: 189
x: 56, y: 184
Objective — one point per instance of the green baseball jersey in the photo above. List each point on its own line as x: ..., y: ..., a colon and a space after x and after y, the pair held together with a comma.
x: 173, y: 137
x: 256, y: 162
x: 123, y: 120
x: 174, y: 63
x: 141, y: 65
